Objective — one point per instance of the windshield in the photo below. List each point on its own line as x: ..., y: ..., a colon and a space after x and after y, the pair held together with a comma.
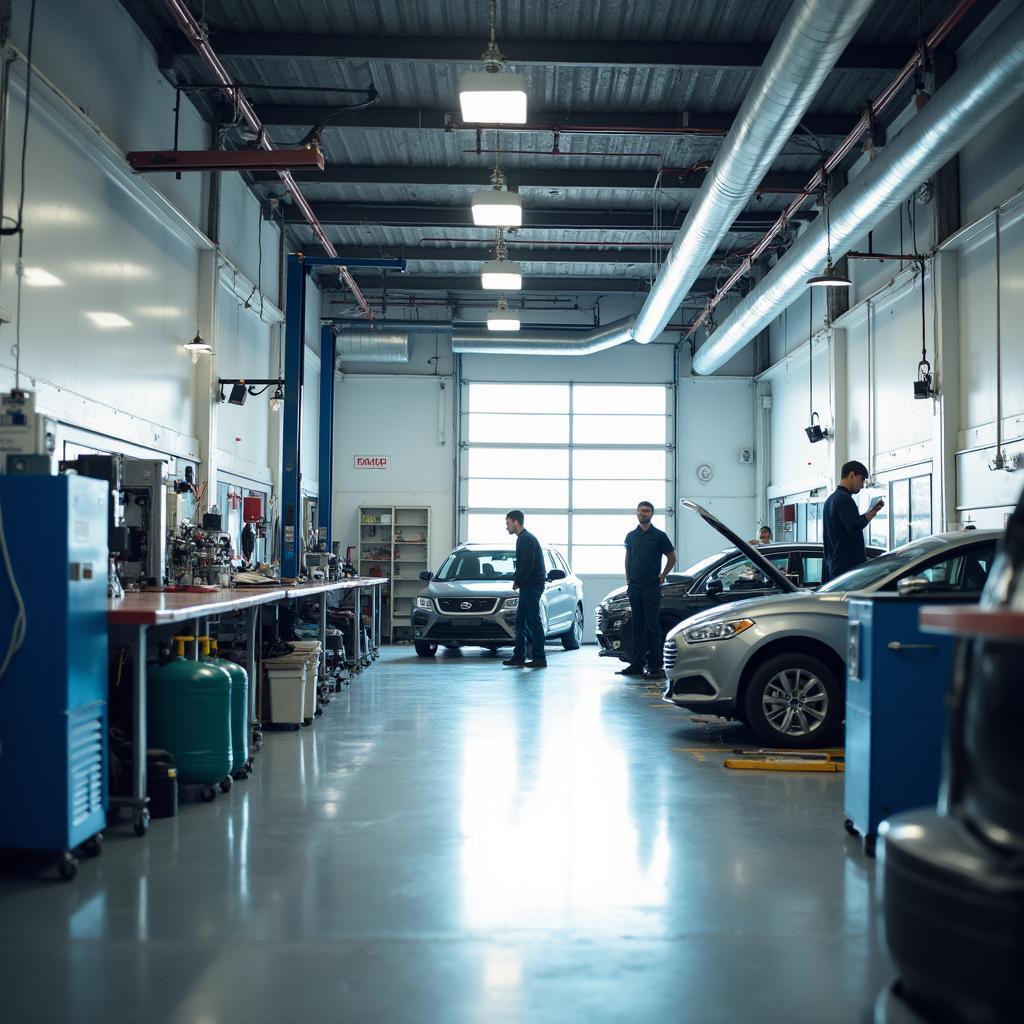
x: 478, y: 565
x: 870, y: 573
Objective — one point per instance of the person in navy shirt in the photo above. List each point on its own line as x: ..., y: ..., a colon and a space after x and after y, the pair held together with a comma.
x: 529, y: 582
x: 843, y: 525
x: 645, y: 548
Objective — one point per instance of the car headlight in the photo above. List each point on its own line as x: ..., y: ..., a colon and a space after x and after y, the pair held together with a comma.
x: 510, y: 602
x: 716, y: 631
x: 424, y: 602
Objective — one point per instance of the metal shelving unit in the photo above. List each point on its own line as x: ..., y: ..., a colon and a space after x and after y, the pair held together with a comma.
x: 394, y: 541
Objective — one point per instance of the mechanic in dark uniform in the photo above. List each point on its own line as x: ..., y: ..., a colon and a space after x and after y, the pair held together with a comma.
x: 529, y: 581
x: 843, y: 525
x: 645, y: 547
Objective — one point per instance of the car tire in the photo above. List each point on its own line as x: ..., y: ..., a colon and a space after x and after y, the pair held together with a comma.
x: 796, y: 678
x: 425, y: 649
x: 573, y: 637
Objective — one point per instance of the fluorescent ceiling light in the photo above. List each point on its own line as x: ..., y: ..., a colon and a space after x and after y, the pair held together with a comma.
x: 492, y: 98
x: 496, y: 209
x: 39, y: 278
x: 108, y: 320
x: 502, y: 320
x: 501, y: 275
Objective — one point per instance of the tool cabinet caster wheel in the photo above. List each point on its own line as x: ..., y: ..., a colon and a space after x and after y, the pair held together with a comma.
x: 67, y: 866
x: 257, y: 740
x: 225, y: 784
x: 207, y: 793
x: 140, y: 822
x: 850, y: 830
x: 93, y: 847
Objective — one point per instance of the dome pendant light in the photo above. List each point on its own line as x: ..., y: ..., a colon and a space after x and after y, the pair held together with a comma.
x: 500, y: 274
x: 501, y: 319
x: 830, y: 277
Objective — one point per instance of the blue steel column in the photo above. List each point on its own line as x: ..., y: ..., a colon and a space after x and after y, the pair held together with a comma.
x: 291, y: 468
x: 328, y: 347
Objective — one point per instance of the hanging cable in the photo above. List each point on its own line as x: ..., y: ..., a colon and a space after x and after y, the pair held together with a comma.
x: 19, y: 228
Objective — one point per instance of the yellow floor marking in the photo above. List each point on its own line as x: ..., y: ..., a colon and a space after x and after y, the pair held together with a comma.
x: 764, y: 765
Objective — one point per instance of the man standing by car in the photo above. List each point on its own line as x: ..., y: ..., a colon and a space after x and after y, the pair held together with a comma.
x: 529, y: 582
x: 645, y: 547
x: 843, y: 526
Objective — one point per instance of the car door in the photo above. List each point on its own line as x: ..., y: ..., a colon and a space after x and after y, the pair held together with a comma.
x: 558, y: 598
x: 962, y: 572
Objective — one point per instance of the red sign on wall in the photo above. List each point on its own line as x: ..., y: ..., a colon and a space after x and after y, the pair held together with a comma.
x: 372, y: 461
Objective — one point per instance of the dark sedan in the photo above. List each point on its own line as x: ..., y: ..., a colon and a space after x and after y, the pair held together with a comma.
x: 726, y: 576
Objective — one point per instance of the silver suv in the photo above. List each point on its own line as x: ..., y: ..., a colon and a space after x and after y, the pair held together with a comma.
x: 470, y: 601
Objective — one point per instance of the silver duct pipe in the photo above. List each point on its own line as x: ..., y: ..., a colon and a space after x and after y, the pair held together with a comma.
x: 466, y: 340
x: 810, y: 41
x: 972, y: 98
x: 368, y: 346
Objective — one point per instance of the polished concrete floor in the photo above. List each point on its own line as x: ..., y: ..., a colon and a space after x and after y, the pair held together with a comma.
x: 457, y: 842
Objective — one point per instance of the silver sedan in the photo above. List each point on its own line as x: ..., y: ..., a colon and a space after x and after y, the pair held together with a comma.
x: 777, y: 663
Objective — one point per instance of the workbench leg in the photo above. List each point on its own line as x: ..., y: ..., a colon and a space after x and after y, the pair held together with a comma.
x: 255, y: 725
x: 140, y: 800
x: 323, y: 637
x: 375, y: 620
x: 357, y: 640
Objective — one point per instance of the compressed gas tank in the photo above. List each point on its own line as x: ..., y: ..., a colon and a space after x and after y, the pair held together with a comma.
x: 189, y: 714
x: 239, y: 708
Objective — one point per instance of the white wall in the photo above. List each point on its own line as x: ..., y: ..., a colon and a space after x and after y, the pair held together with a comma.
x: 396, y: 416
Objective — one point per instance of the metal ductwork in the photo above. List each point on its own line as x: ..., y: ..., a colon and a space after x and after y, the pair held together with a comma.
x: 972, y: 98
x: 541, y: 342
x: 807, y: 46
x: 810, y: 41
x: 368, y: 346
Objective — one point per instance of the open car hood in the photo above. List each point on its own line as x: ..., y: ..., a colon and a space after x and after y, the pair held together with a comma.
x: 771, y: 572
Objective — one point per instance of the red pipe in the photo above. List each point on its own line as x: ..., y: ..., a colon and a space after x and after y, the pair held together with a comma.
x: 933, y: 40
x: 194, y: 33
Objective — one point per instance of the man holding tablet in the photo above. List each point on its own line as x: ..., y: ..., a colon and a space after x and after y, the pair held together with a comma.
x: 843, y: 526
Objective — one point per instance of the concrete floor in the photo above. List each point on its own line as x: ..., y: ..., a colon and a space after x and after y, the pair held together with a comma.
x: 457, y: 842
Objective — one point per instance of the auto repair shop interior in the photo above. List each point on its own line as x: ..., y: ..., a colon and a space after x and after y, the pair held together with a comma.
x: 298, y: 300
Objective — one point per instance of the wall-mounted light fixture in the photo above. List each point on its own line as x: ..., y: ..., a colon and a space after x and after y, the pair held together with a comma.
x: 242, y: 388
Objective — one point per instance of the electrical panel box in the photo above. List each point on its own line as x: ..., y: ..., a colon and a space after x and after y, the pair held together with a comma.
x: 53, y: 711
x: 23, y: 431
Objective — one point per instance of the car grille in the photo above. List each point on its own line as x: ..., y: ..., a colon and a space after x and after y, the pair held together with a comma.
x: 467, y: 634
x: 668, y: 654
x: 467, y: 605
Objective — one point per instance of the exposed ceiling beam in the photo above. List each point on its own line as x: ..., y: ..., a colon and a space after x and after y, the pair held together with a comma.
x: 474, y: 252
x: 520, y: 177
x: 471, y: 283
x: 566, y: 218
x: 590, y: 123
x: 525, y: 52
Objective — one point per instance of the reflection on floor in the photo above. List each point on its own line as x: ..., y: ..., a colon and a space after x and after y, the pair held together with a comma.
x: 452, y: 842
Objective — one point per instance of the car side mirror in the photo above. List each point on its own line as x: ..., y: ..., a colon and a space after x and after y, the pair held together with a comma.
x: 426, y: 575
x: 555, y: 574
x: 913, y: 585
x: 715, y: 588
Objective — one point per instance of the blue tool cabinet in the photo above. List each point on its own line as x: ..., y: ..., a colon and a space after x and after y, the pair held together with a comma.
x: 53, y: 711
x: 896, y: 683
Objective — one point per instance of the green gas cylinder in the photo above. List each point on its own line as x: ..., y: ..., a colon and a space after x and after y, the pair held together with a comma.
x: 189, y: 714
x: 239, y: 705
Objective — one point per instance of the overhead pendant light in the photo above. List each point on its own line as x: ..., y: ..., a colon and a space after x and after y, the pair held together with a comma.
x: 276, y: 399
x: 497, y: 207
x: 500, y: 274
x: 198, y: 346
x: 830, y: 277
x: 502, y: 319
x: 493, y: 96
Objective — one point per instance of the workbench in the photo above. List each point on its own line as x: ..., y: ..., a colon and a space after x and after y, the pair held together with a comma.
x: 139, y: 611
